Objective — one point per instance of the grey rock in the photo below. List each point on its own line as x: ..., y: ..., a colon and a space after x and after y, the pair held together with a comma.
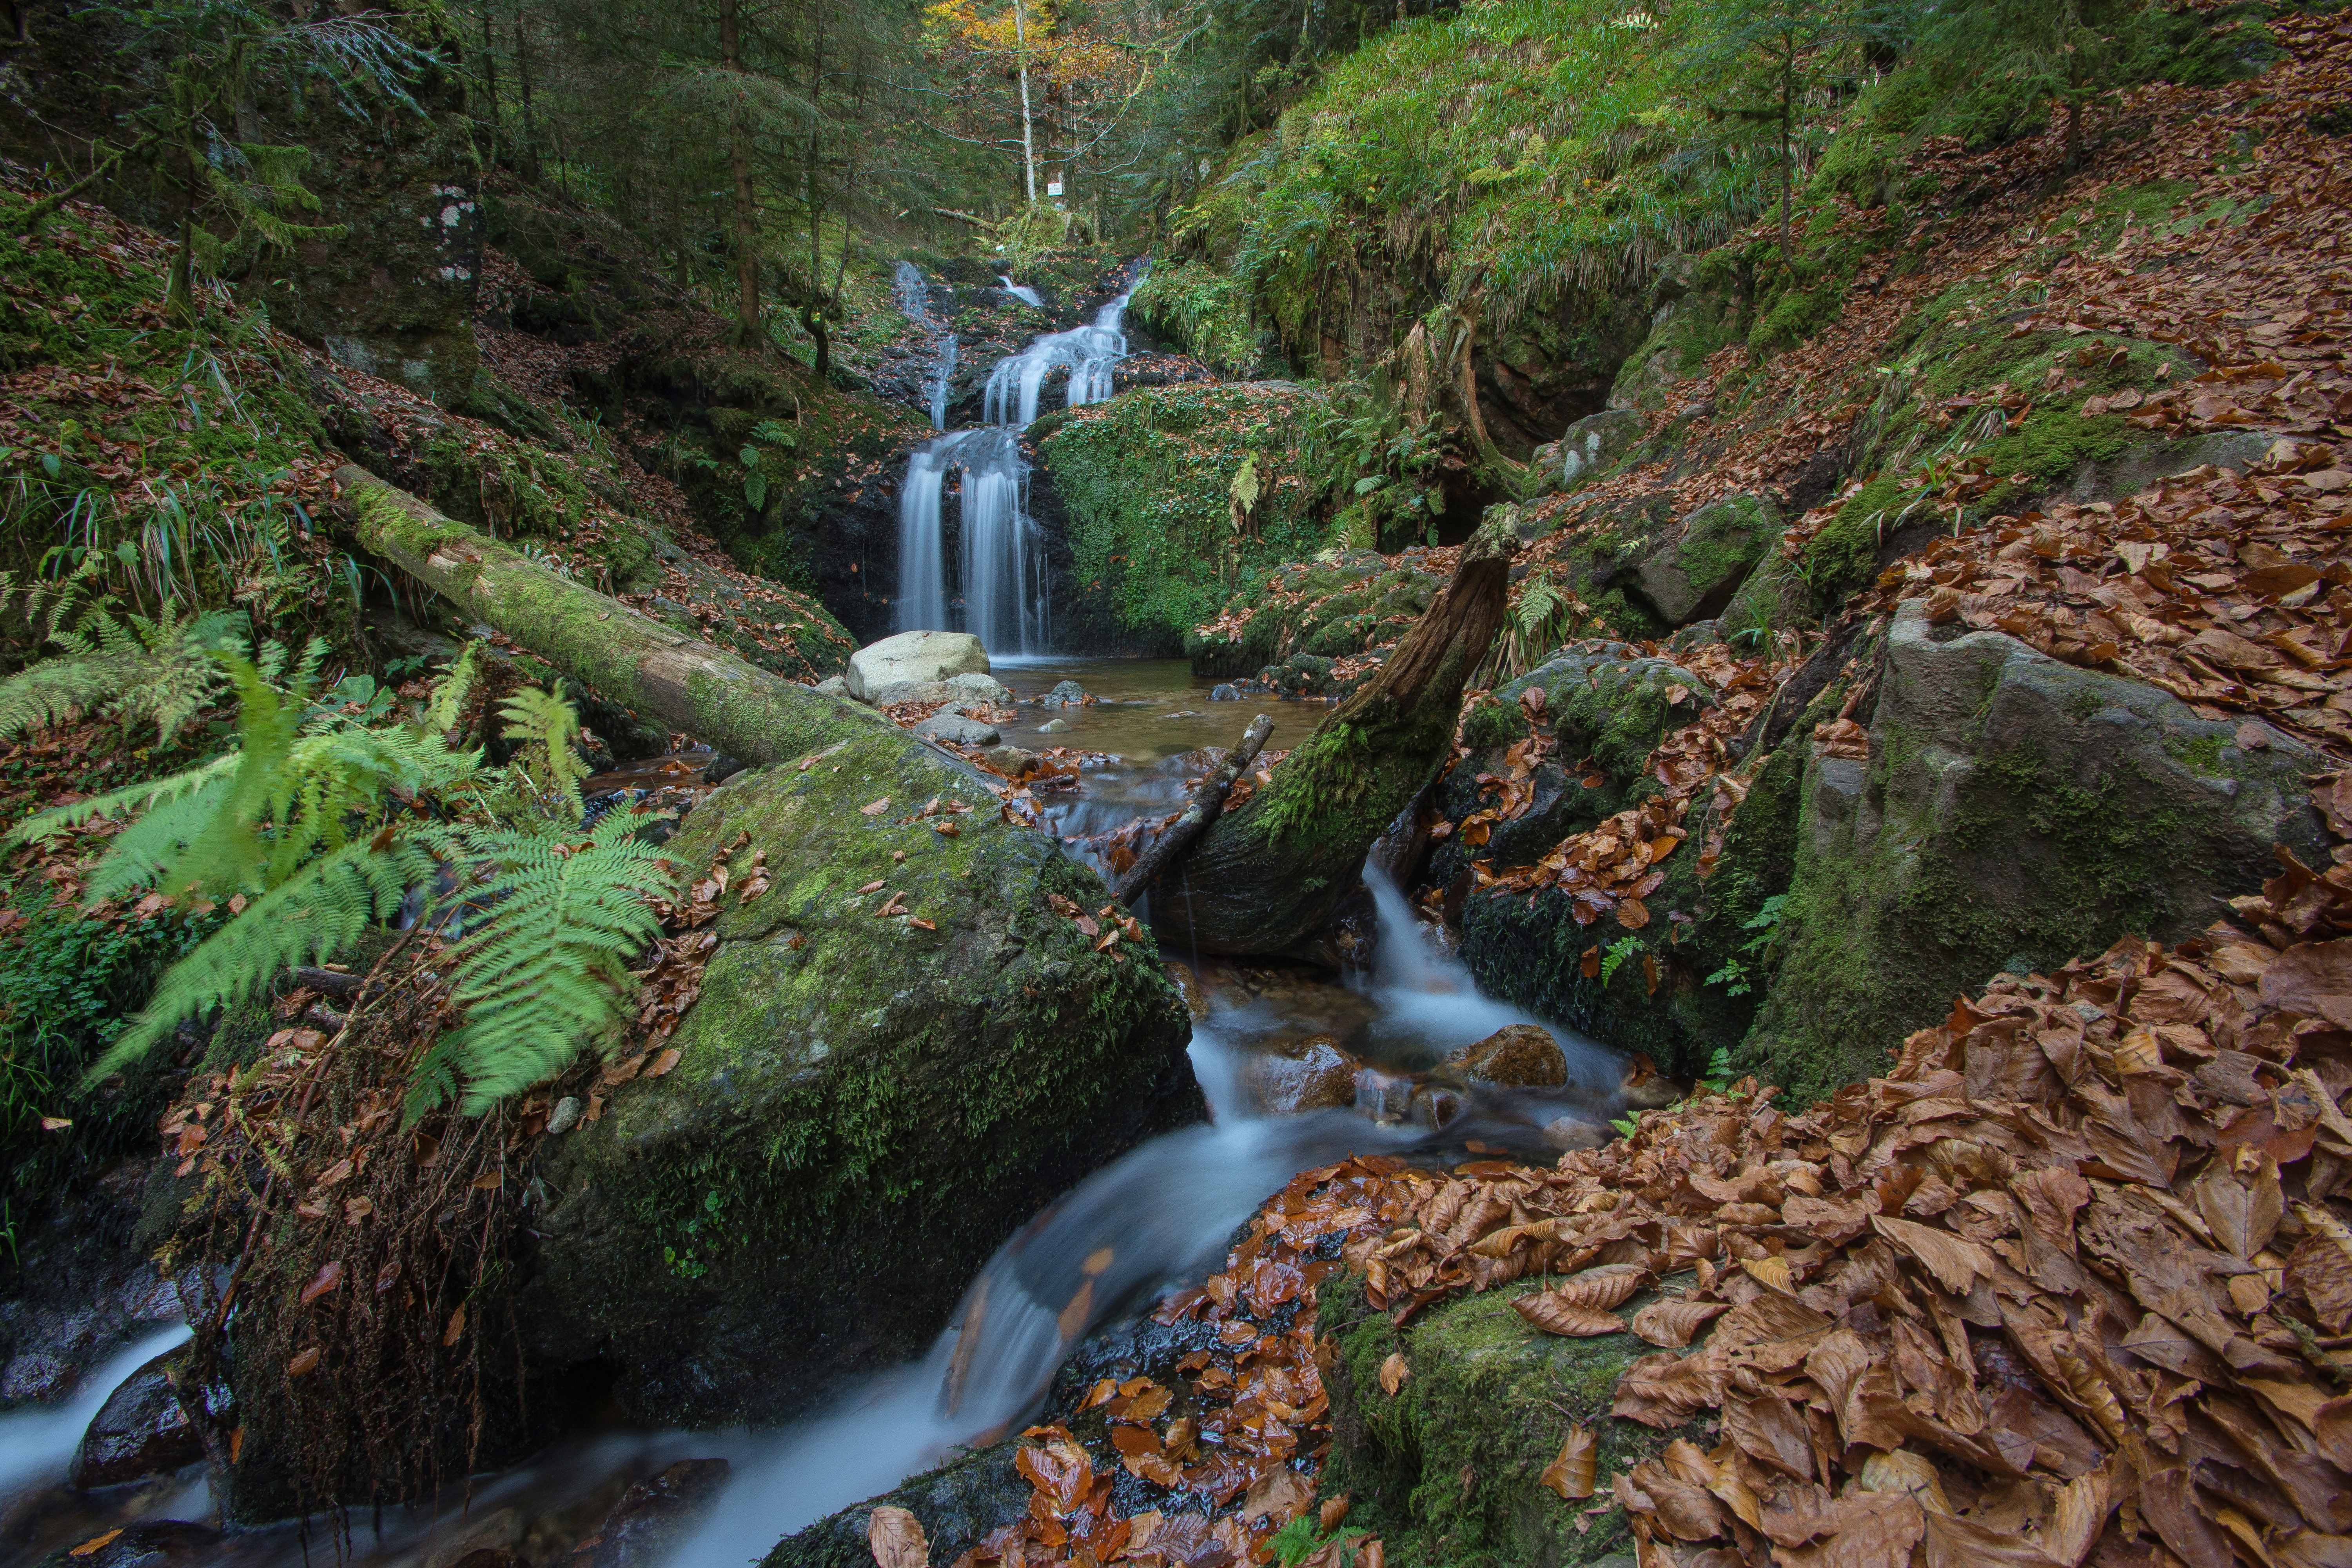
x: 565, y: 1116
x: 1225, y: 692
x: 1055, y: 727
x: 140, y: 1431
x: 2014, y: 810
x: 1066, y: 694
x: 957, y: 730
x: 834, y: 686
x: 957, y: 1504
x: 159, y: 1544
x: 915, y: 657
x: 1594, y: 443
x: 1698, y: 566
x: 2140, y: 467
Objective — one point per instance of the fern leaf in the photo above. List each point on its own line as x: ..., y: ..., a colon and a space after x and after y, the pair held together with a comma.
x: 130, y: 798
x: 310, y: 916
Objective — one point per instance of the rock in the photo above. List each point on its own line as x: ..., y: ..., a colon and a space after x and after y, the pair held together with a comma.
x: 140, y: 1431
x: 653, y: 1516
x: 914, y: 656
x: 957, y: 731
x: 861, y: 1107
x: 159, y: 1544
x: 564, y: 1117
x: 1012, y: 761
x: 979, y: 688
x: 720, y: 768
x: 1607, y: 704
x: 1455, y: 1456
x: 1055, y: 727
x: 77, y: 1295
x: 2139, y: 467
x: 832, y: 685
x: 1593, y: 444
x: 957, y: 1505
x: 1697, y: 567
x: 1066, y: 694
x: 1312, y: 1074
x: 1223, y: 693
x: 2014, y: 813
x: 1521, y: 1056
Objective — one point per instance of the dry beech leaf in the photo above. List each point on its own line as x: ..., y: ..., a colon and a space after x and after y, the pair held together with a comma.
x: 875, y: 808
x: 1394, y: 1371
x: 1957, y: 1263
x: 896, y: 1538
x: 1278, y: 1495
x: 96, y: 1543
x: 1553, y: 1316
x: 330, y: 1274
x: 1573, y: 1474
x: 456, y: 1329
x: 302, y: 1361
x: 1672, y: 1323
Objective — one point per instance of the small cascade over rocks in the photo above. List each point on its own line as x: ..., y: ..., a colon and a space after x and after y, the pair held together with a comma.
x: 914, y: 296
x: 1021, y: 291
x: 1000, y: 551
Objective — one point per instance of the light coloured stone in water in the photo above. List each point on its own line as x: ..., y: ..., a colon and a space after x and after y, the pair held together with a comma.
x: 1055, y: 727
x: 957, y: 730
x: 914, y: 656
x: 1522, y: 1056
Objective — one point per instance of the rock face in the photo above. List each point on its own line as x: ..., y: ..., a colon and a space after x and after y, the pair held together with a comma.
x: 140, y: 1431
x: 864, y: 1108
x: 1522, y: 1056
x: 2013, y: 811
x: 1697, y: 568
x: 914, y: 656
x: 1486, y: 1399
x: 1607, y: 704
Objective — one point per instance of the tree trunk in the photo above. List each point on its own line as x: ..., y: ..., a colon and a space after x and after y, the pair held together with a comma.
x: 1788, y: 168
x: 739, y: 163
x: 1028, y: 134
x: 681, y: 681
x: 1265, y: 877
x: 1199, y: 813
x: 530, y: 128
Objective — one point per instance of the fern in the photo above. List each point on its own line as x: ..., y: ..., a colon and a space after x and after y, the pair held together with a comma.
x: 131, y: 668
x: 547, y: 970
x: 294, y: 822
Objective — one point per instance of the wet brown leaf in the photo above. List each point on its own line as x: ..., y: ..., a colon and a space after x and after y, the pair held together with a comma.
x: 1572, y: 1473
x: 896, y: 1539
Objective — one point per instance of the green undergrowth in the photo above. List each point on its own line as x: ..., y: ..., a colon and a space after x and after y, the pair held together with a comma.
x: 1150, y: 482
x: 1207, y: 313
x: 1337, y: 604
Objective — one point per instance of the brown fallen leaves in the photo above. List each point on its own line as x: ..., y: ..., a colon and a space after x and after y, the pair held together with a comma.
x: 1227, y: 1448
x: 2070, y: 1284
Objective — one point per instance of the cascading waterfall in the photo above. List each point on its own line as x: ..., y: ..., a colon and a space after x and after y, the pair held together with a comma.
x: 943, y: 369
x: 1001, y: 558
x: 1021, y: 291
x: 914, y: 296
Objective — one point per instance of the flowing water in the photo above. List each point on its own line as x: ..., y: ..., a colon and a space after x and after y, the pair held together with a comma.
x: 1021, y: 291
x: 999, y: 592
x: 1164, y: 1211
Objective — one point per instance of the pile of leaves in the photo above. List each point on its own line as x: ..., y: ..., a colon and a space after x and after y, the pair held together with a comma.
x: 1611, y: 868
x: 2225, y: 589
x: 2070, y: 1284
x: 1230, y: 1454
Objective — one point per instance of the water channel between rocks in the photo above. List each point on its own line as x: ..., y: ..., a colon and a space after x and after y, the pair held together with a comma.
x: 1270, y: 1043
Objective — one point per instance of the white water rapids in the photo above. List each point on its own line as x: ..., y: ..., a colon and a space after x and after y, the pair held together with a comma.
x: 999, y: 584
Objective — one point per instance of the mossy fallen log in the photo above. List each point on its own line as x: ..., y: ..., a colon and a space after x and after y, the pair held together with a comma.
x: 1264, y: 879
x: 626, y: 658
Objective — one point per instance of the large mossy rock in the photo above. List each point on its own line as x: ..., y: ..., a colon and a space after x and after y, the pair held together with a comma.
x: 1697, y: 567
x: 1606, y: 704
x: 1590, y: 447
x: 1448, y: 1469
x: 2013, y: 811
x: 1327, y: 608
x: 863, y: 1109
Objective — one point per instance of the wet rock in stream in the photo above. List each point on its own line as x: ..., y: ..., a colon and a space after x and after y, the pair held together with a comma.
x: 1522, y: 1056
x: 160, y: 1543
x: 957, y: 1504
x: 653, y: 1516
x: 141, y: 1431
x: 1312, y: 1074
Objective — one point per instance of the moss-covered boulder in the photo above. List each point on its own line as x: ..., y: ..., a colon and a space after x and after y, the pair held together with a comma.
x: 1448, y: 1469
x: 1590, y: 447
x: 2012, y: 812
x: 1606, y: 706
x: 1338, y: 604
x: 893, y: 1064
x: 1695, y: 570
x: 957, y: 1504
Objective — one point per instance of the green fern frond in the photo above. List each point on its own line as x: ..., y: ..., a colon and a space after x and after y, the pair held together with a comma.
x: 545, y: 723
x: 135, y: 669
x: 310, y: 916
x: 448, y: 701
x: 143, y: 796
x: 546, y: 972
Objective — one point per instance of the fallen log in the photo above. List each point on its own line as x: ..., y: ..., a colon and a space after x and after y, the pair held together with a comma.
x: 628, y: 658
x: 1264, y: 878
x: 1199, y: 813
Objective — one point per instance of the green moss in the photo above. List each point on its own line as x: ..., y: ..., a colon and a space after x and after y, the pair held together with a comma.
x: 1327, y: 607
x: 1447, y: 1470
x: 1206, y: 313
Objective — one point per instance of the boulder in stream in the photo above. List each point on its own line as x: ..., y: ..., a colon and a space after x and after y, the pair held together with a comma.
x: 957, y: 730
x: 1519, y: 1056
x: 875, y: 1089
x: 1312, y: 1074
x: 1066, y: 694
x: 140, y: 1431
x: 914, y: 656
x: 653, y: 1517
x: 155, y: 1543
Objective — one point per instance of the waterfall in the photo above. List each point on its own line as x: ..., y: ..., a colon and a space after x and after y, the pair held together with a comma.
x: 1090, y: 354
x: 943, y: 369
x: 1002, y: 562
x: 1021, y: 291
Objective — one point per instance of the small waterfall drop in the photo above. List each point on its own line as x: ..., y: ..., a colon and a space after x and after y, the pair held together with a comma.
x: 1021, y: 291
x: 1001, y: 561
x: 914, y: 298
